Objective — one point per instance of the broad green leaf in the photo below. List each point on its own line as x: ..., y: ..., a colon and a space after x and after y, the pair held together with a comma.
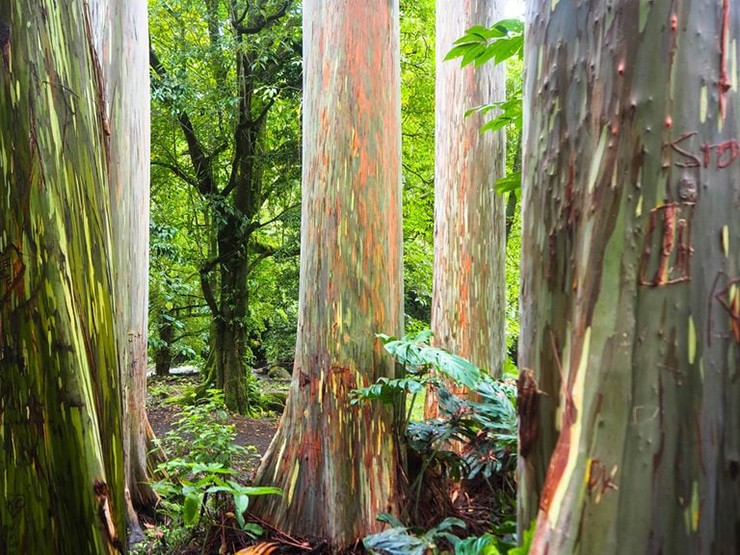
x: 191, y: 507
x: 510, y: 183
x: 241, y: 502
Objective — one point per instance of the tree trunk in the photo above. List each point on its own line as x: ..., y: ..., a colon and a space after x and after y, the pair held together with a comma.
x: 231, y: 328
x: 163, y: 356
x: 630, y: 297
x: 336, y: 463
x: 60, y: 398
x: 122, y: 45
x: 468, y: 305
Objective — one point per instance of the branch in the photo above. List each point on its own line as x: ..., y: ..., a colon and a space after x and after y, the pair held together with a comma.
x: 424, y: 180
x: 188, y: 334
x: 190, y: 307
x: 278, y: 217
x: 264, y: 251
x: 178, y: 171
x: 198, y: 157
x: 205, y: 285
x: 263, y: 22
x: 263, y: 114
x: 262, y: 256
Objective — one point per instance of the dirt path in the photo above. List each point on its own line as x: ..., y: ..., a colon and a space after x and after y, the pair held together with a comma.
x: 249, y: 431
x: 257, y: 432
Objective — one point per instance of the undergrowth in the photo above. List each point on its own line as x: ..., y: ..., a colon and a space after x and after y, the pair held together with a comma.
x: 471, y: 447
x: 198, y: 487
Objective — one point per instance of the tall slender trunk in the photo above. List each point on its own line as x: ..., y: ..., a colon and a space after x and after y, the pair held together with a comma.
x: 122, y: 46
x: 337, y: 463
x: 630, y: 344
x: 163, y: 356
x: 60, y: 393
x: 468, y: 304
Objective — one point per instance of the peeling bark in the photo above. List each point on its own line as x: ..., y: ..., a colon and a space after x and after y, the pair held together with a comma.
x: 336, y: 463
x: 630, y: 234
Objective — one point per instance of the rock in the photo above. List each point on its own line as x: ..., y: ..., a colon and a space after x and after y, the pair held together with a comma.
x: 278, y: 373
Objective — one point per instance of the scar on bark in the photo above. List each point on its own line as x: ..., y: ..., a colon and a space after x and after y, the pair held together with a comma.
x: 675, y: 244
x: 104, y: 513
x: 5, y: 44
x: 729, y: 298
x: 600, y: 480
x: 724, y: 83
x: 527, y: 407
x: 12, y: 269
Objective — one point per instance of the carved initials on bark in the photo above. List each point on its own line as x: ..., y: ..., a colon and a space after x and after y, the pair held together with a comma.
x: 675, y: 245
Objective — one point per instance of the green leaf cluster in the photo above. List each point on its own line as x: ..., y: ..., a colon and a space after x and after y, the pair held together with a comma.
x: 198, y: 481
x: 503, y: 40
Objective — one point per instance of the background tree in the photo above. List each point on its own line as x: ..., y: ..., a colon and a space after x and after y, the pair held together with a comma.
x: 60, y: 394
x: 630, y: 272
x: 417, y: 132
x: 237, y: 69
x: 468, y: 309
x: 336, y: 463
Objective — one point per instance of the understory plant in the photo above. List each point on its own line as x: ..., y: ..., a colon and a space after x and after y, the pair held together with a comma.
x: 199, y: 487
x: 484, y: 428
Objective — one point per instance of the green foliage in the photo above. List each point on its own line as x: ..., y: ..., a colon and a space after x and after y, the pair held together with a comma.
x: 199, y: 482
x: 400, y: 540
x: 202, y: 228
x: 502, y: 42
x: 417, y: 357
x: 487, y: 429
x: 417, y: 128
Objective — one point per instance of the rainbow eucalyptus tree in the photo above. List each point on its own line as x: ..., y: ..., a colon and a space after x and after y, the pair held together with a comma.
x: 62, y: 487
x: 336, y: 463
x: 630, y: 336
x: 468, y: 304
x: 122, y: 46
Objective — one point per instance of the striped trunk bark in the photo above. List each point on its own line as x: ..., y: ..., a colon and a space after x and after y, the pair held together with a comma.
x: 122, y: 48
x: 630, y: 299
x: 60, y: 396
x: 336, y: 463
x: 468, y: 305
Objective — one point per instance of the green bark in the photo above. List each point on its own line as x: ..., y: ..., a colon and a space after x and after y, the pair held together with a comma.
x: 630, y: 278
x: 60, y: 400
x: 468, y: 305
x: 336, y: 463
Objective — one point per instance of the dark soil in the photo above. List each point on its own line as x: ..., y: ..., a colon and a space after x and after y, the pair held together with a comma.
x: 249, y: 431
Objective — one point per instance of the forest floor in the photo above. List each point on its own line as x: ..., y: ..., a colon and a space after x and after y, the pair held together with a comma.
x: 163, y: 414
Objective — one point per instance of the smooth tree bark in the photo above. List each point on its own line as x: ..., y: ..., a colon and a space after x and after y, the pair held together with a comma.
x: 630, y: 330
x: 122, y: 50
x: 468, y: 297
x: 337, y: 463
x: 62, y: 466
